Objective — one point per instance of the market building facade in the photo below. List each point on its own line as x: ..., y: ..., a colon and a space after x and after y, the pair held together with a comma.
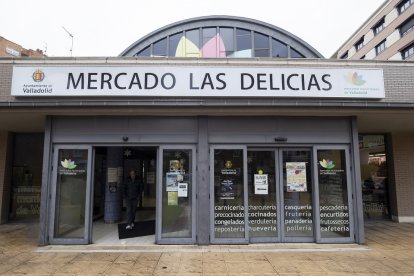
x: 241, y: 132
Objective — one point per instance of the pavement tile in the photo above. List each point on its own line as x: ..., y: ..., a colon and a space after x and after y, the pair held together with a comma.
x: 261, y: 267
x: 214, y: 267
x: 118, y: 269
x: 143, y: 267
x: 191, y: 267
x: 149, y: 256
x: 213, y: 256
x: 84, y: 268
x: 390, y: 253
x: 167, y: 267
x: 284, y: 266
x: 238, y: 267
x: 97, y: 257
x: 254, y: 256
x: 127, y: 257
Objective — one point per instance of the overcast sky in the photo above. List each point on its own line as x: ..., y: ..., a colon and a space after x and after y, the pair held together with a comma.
x: 107, y: 27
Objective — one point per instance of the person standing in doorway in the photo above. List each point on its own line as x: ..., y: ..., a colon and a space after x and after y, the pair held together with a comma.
x: 132, y: 192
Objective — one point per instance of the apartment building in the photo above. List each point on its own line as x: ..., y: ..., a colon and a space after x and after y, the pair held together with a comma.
x: 386, y: 35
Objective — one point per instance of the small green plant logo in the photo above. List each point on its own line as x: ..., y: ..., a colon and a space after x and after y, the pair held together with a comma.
x: 327, y: 164
x: 68, y: 164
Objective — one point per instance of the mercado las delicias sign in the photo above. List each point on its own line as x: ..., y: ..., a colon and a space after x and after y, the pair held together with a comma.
x: 200, y: 81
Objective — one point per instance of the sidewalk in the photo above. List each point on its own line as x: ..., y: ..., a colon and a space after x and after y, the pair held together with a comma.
x: 389, y: 251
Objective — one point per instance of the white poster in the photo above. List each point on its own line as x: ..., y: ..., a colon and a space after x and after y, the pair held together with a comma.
x: 261, y: 184
x: 296, y: 176
x: 171, y: 181
x: 182, y: 189
x: 112, y: 174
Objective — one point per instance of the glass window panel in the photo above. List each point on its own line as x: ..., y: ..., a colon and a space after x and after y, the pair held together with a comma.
x: 407, y: 26
x: 174, y: 40
x: 176, y: 194
x: 262, y: 194
x: 297, y: 189
x: 261, y: 41
x: 244, y: 41
x: 279, y: 50
x: 333, y: 194
x: 145, y: 52
x: 71, y: 193
x: 295, y: 54
x: 261, y: 53
x: 209, y: 48
x: 374, y: 176
x: 192, y: 47
x: 208, y: 33
x: 227, y: 35
x: 228, y: 194
x: 26, y: 176
x: 159, y: 48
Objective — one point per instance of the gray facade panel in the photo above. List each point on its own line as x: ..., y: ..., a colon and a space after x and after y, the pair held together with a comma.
x: 265, y: 130
x: 114, y: 129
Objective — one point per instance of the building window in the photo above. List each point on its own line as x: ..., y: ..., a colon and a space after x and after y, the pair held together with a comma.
x: 261, y: 45
x: 379, y: 27
x: 345, y: 55
x: 295, y: 54
x: 380, y: 48
x: 159, y: 48
x: 244, y: 43
x: 408, y: 52
x: 404, y: 5
x: 279, y: 49
x: 145, y: 52
x: 359, y: 44
x: 174, y: 40
x: 407, y: 26
x: 227, y: 35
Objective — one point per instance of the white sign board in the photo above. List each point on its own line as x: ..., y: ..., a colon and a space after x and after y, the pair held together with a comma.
x: 182, y: 189
x: 261, y: 184
x: 200, y: 81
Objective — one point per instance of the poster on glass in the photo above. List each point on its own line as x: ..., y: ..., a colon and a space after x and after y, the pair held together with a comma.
x: 296, y: 176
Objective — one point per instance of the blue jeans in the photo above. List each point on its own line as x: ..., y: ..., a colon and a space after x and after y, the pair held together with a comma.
x: 131, y: 206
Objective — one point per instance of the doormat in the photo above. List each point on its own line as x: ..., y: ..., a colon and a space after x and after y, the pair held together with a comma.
x: 141, y: 228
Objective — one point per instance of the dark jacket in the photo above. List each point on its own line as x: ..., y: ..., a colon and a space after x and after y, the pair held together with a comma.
x: 133, y: 188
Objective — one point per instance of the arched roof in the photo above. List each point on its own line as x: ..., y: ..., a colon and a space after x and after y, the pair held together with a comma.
x: 221, y: 36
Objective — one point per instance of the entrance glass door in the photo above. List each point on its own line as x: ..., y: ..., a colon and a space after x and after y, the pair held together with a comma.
x: 175, y: 196
x: 297, y: 195
x: 281, y: 195
x: 335, y: 216
x: 229, y: 195
x: 263, y: 193
x: 71, y: 192
x: 280, y: 201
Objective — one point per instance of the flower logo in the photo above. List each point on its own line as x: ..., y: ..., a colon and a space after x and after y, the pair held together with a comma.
x: 355, y: 79
x: 68, y: 164
x: 327, y: 164
x: 38, y: 75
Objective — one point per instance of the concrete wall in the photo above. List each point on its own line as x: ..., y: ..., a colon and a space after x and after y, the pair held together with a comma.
x: 5, y: 175
x: 403, y: 169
